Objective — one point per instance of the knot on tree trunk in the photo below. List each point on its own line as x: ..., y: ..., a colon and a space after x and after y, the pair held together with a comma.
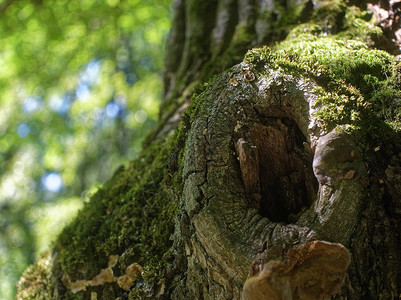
x: 249, y: 177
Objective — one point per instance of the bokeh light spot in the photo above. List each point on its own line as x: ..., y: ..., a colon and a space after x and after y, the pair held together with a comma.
x: 32, y: 104
x: 112, y: 110
x: 121, y: 101
x: 18, y: 168
x: 59, y: 105
x: 52, y: 182
x: 113, y: 3
x: 23, y: 130
x: 91, y: 72
x: 140, y: 116
x: 82, y: 92
x: 131, y: 78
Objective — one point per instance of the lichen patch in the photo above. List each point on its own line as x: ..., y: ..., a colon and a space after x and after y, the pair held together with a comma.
x: 131, y: 273
x: 106, y: 276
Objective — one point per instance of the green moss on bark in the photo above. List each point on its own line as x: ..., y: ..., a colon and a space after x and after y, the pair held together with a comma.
x: 132, y: 215
x: 357, y: 86
x: 37, y: 281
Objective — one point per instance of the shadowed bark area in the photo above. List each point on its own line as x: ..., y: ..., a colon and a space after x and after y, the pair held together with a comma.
x: 294, y: 143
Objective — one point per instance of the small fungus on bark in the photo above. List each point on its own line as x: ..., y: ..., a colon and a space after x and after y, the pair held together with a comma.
x: 248, y: 75
x: 310, y: 271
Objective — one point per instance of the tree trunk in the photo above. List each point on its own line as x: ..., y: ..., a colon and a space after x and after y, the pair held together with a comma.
x: 292, y: 144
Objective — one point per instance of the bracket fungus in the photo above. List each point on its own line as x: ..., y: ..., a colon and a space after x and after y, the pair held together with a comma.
x: 314, y: 270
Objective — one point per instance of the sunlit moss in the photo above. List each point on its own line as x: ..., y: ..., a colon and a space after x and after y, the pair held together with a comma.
x: 360, y: 25
x: 37, y: 281
x: 352, y: 75
x: 357, y: 87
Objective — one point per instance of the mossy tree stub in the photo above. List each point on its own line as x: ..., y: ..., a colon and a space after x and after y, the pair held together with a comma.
x: 300, y: 141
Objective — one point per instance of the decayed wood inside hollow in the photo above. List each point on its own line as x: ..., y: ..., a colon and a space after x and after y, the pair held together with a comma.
x: 287, y: 183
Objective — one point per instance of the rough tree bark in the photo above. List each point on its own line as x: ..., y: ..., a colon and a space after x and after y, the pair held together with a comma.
x: 293, y: 143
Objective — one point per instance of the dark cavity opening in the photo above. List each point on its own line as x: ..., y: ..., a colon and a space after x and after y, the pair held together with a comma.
x: 287, y: 183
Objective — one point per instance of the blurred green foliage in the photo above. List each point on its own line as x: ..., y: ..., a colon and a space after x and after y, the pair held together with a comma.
x: 79, y: 87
